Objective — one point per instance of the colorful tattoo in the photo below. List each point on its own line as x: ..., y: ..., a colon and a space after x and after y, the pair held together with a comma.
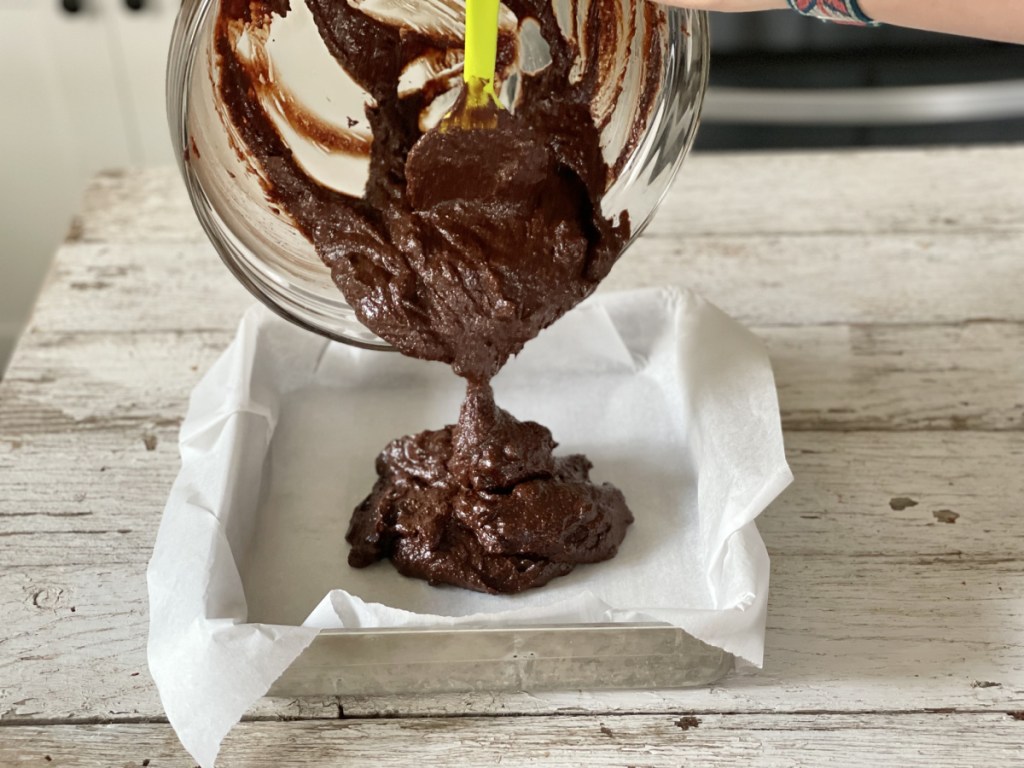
x: 838, y: 11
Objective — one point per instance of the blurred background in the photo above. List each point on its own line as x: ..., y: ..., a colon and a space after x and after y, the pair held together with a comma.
x: 83, y: 85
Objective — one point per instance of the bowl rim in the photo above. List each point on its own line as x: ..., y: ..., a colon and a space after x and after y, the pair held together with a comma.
x: 688, y: 35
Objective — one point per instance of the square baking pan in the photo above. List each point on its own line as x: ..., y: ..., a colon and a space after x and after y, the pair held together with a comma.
x: 250, y: 592
x: 536, y: 658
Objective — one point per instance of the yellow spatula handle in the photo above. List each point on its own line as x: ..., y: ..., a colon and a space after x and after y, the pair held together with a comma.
x: 481, y: 40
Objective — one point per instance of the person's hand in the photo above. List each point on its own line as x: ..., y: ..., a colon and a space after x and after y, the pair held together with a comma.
x: 730, y: 6
x: 986, y: 19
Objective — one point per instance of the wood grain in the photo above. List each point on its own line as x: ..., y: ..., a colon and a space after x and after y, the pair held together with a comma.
x: 883, y: 376
x: 662, y: 741
x: 139, y: 205
x: 930, y: 190
x: 112, y: 488
x: 877, y: 631
x: 844, y: 377
x: 896, y: 627
x: 774, y: 280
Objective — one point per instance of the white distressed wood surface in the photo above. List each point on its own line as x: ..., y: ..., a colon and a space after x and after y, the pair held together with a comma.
x: 895, y: 321
x: 775, y: 280
x: 933, y: 190
x: 829, y: 377
x: 668, y: 740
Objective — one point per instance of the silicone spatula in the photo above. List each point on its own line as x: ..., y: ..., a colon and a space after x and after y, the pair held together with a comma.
x: 476, y: 106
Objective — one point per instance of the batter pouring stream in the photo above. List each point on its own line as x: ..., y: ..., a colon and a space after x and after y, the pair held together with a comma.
x: 452, y: 259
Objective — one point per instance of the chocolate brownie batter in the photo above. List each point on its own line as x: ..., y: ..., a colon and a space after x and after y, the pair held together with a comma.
x: 483, y: 504
x: 466, y: 243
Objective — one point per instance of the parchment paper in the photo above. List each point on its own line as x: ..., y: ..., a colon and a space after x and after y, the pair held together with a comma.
x: 672, y: 401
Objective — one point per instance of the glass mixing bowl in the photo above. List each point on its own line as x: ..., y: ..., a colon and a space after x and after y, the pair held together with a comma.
x: 645, y: 140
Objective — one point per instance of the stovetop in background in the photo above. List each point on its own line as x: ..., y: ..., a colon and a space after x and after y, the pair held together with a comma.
x: 782, y: 81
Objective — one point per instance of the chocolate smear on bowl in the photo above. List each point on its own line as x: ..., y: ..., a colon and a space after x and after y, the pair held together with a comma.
x: 465, y: 244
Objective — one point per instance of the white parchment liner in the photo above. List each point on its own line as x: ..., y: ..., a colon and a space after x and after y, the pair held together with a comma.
x: 671, y: 399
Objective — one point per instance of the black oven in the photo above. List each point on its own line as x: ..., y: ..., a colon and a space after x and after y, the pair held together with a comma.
x: 779, y: 80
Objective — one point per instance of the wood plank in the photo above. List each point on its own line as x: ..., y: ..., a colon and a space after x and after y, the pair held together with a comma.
x: 138, y: 205
x: 74, y: 645
x: 717, y: 193
x: 869, y: 494
x: 784, y: 280
x: 876, y: 603
x: 177, y: 288
x: 844, y: 634
x: 76, y: 535
x: 843, y: 377
x: 879, y: 377
x: 111, y: 381
x: 652, y: 741
x: 100, y: 492
x: 820, y: 279
x: 84, y: 499
x: 928, y: 190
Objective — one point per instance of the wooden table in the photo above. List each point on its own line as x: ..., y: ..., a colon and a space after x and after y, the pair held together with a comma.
x: 888, y: 286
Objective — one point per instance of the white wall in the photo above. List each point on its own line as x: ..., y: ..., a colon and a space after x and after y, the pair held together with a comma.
x: 80, y: 92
